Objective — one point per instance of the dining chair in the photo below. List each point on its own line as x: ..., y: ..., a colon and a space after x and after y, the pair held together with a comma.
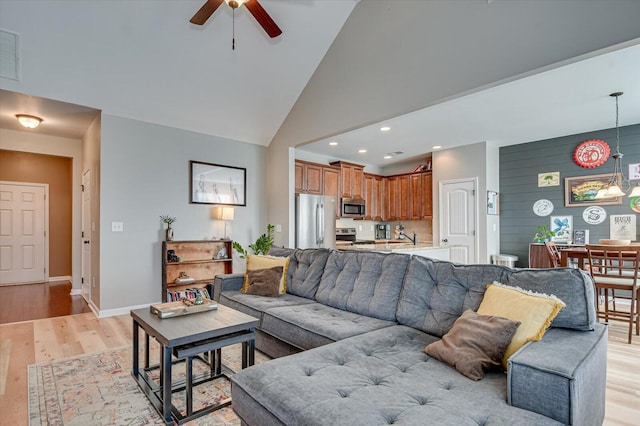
x: 617, y: 269
x: 553, y: 253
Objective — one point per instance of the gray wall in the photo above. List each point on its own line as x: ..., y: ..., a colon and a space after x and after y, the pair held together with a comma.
x: 144, y: 173
x: 519, y: 168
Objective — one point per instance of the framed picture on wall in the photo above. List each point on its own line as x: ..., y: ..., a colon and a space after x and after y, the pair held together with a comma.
x: 493, y: 202
x: 580, y: 191
x: 217, y: 184
x: 563, y: 228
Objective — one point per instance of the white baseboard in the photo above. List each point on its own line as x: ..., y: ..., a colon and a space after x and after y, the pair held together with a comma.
x: 63, y: 278
x: 119, y: 311
x: 76, y: 292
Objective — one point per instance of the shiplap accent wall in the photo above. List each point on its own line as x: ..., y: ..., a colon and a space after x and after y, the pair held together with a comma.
x: 519, y: 168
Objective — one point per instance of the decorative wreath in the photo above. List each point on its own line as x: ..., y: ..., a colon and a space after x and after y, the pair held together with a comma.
x: 591, y: 153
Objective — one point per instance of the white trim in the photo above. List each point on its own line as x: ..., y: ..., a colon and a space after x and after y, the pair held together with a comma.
x: 76, y: 292
x: 120, y: 311
x: 61, y: 278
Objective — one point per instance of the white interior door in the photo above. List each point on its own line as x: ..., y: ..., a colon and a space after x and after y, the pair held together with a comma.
x: 458, y: 213
x: 22, y: 232
x: 86, y: 235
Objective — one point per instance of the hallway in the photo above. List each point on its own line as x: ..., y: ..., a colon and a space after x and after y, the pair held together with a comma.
x: 37, y: 301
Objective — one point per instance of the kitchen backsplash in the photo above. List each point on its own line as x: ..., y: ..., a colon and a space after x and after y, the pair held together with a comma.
x: 365, y: 229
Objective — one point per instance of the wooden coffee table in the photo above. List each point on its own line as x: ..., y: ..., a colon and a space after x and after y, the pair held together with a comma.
x: 201, y: 336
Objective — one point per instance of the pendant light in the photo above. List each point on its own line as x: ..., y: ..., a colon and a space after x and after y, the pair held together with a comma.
x: 617, y: 186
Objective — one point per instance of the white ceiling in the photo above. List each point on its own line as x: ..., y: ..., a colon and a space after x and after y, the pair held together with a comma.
x: 142, y: 59
x: 566, y: 100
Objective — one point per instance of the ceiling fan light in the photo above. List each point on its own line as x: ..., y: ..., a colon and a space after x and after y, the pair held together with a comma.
x: 29, y: 121
x: 235, y: 3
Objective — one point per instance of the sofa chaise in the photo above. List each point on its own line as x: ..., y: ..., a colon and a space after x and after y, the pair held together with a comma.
x: 349, y: 333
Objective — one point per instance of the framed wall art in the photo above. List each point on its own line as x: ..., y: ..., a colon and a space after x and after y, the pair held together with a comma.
x: 563, y: 228
x: 580, y: 191
x: 217, y: 184
x: 493, y: 202
x: 548, y: 179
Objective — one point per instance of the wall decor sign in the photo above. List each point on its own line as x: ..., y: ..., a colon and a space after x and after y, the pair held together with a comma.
x: 217, y: 184
x: 634, y: 171
x: 634, y: 203
x: 543, y: 207
x: 493, y: 202
x: 548, y: 179
x: 622, y: 227
x: 563, y: 227
x: 582, y: 190
x: 591, y: 153
x: 594, y: 215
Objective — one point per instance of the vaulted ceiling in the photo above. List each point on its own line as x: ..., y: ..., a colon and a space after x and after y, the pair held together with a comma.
x: 509, y: 70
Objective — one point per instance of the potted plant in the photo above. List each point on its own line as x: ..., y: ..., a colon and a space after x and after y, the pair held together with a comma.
x: 169, y: 231
x: 261, y: 246
x: 543, y: 234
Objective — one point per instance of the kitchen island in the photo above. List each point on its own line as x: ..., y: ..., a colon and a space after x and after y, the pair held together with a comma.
x: 394, y: 246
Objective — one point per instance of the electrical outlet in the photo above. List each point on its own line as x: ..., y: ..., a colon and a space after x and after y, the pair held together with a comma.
x: 371, y: 228
x: 278, y: 228
x: 117, y: 227
x: 360, y: 228
x: 93, y: 282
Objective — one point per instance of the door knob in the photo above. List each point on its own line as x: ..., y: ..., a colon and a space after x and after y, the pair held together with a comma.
x: 445, y: 240
x: 86, y: 241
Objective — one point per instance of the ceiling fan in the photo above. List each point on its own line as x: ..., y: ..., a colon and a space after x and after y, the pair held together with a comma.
x: 254, y: 7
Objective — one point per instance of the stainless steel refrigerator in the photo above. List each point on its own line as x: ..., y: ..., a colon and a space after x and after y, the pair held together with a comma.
x: 315, y: 221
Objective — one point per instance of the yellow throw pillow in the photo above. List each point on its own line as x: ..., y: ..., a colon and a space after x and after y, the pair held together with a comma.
x: 535, y: 312
x: 255, y: 262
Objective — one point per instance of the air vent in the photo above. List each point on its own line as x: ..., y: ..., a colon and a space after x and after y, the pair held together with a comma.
x: 9, y: 55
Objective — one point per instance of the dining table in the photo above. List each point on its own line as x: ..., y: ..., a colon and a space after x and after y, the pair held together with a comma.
x: 579, y: 253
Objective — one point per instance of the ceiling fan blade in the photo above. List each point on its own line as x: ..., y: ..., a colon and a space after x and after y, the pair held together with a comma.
x: 205, y: 12
x: 263, y: 18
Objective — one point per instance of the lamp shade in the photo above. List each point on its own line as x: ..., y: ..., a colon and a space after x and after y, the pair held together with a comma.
x: 222, y: 213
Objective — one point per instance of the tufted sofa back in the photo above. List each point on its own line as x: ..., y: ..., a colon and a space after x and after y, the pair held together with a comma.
x: 363, y: 282
x: 305, y: 269
x: 436, y: 293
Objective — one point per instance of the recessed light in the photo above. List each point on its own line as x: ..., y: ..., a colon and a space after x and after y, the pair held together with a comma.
x: 386, y: 157
x: 334, y: 143
x: 362, y: 151
x: 385, y: 128
x: 437, y: 147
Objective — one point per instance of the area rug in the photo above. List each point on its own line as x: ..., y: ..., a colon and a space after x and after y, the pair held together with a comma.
x: 98, y: 389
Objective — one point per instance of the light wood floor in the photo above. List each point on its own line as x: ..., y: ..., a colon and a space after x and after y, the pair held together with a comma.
x: 43, y: 340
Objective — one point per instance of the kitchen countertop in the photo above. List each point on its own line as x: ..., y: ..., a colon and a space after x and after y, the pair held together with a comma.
x: 387, y: 246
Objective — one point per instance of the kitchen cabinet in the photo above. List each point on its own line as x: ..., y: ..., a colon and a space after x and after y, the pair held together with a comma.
x: 415, y: 200
x: 351, y: 180
x: 373, y: 196
x: 427, y: 196
x: 331, y: 184
x: 404, y: 196
x: 392, y: 207
x: 308, y: 177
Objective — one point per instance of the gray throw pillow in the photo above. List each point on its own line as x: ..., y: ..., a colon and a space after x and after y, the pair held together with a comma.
x: 475, y: 343
x: 264, y: 282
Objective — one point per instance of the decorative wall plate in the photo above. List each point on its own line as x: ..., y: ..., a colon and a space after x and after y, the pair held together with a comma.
x: 543, y: 207
x: 634, y: 203
x: 594, y: 215
x: 591, y: 153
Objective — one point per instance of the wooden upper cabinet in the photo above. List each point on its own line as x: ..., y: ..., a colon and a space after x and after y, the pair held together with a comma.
x: 331, y: 179
x: 391, y: 199
x: 427, y: 196
x: 415, y: 200
x: 352, y: 179
x: 308, y: 178
x: 404, y: 196
x: 369, y: 197
x: 378, y: 197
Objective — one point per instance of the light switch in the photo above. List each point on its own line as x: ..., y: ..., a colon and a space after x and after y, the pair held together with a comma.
x: 117, y: 227
x: 278, y: 228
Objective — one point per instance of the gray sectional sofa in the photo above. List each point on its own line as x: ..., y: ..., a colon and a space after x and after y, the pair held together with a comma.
x: 355, y: 323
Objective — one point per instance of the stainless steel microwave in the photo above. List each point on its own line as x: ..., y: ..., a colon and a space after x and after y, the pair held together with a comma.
x: 351, y: 207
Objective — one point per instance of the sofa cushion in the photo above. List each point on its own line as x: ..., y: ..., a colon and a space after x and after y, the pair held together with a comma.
x: 366, y: 283
x: 436, y: 293
x: 573, y: 286
x: 377, y: 378
x: 256, y: 305
x: 255, y: 262
x: 311, y: 325
x: 264, y: 282
x: 533, y: 310
x: 475, y: 343
x: 305, y: 271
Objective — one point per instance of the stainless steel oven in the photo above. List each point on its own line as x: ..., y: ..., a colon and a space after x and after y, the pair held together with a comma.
x: 351, y: 207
